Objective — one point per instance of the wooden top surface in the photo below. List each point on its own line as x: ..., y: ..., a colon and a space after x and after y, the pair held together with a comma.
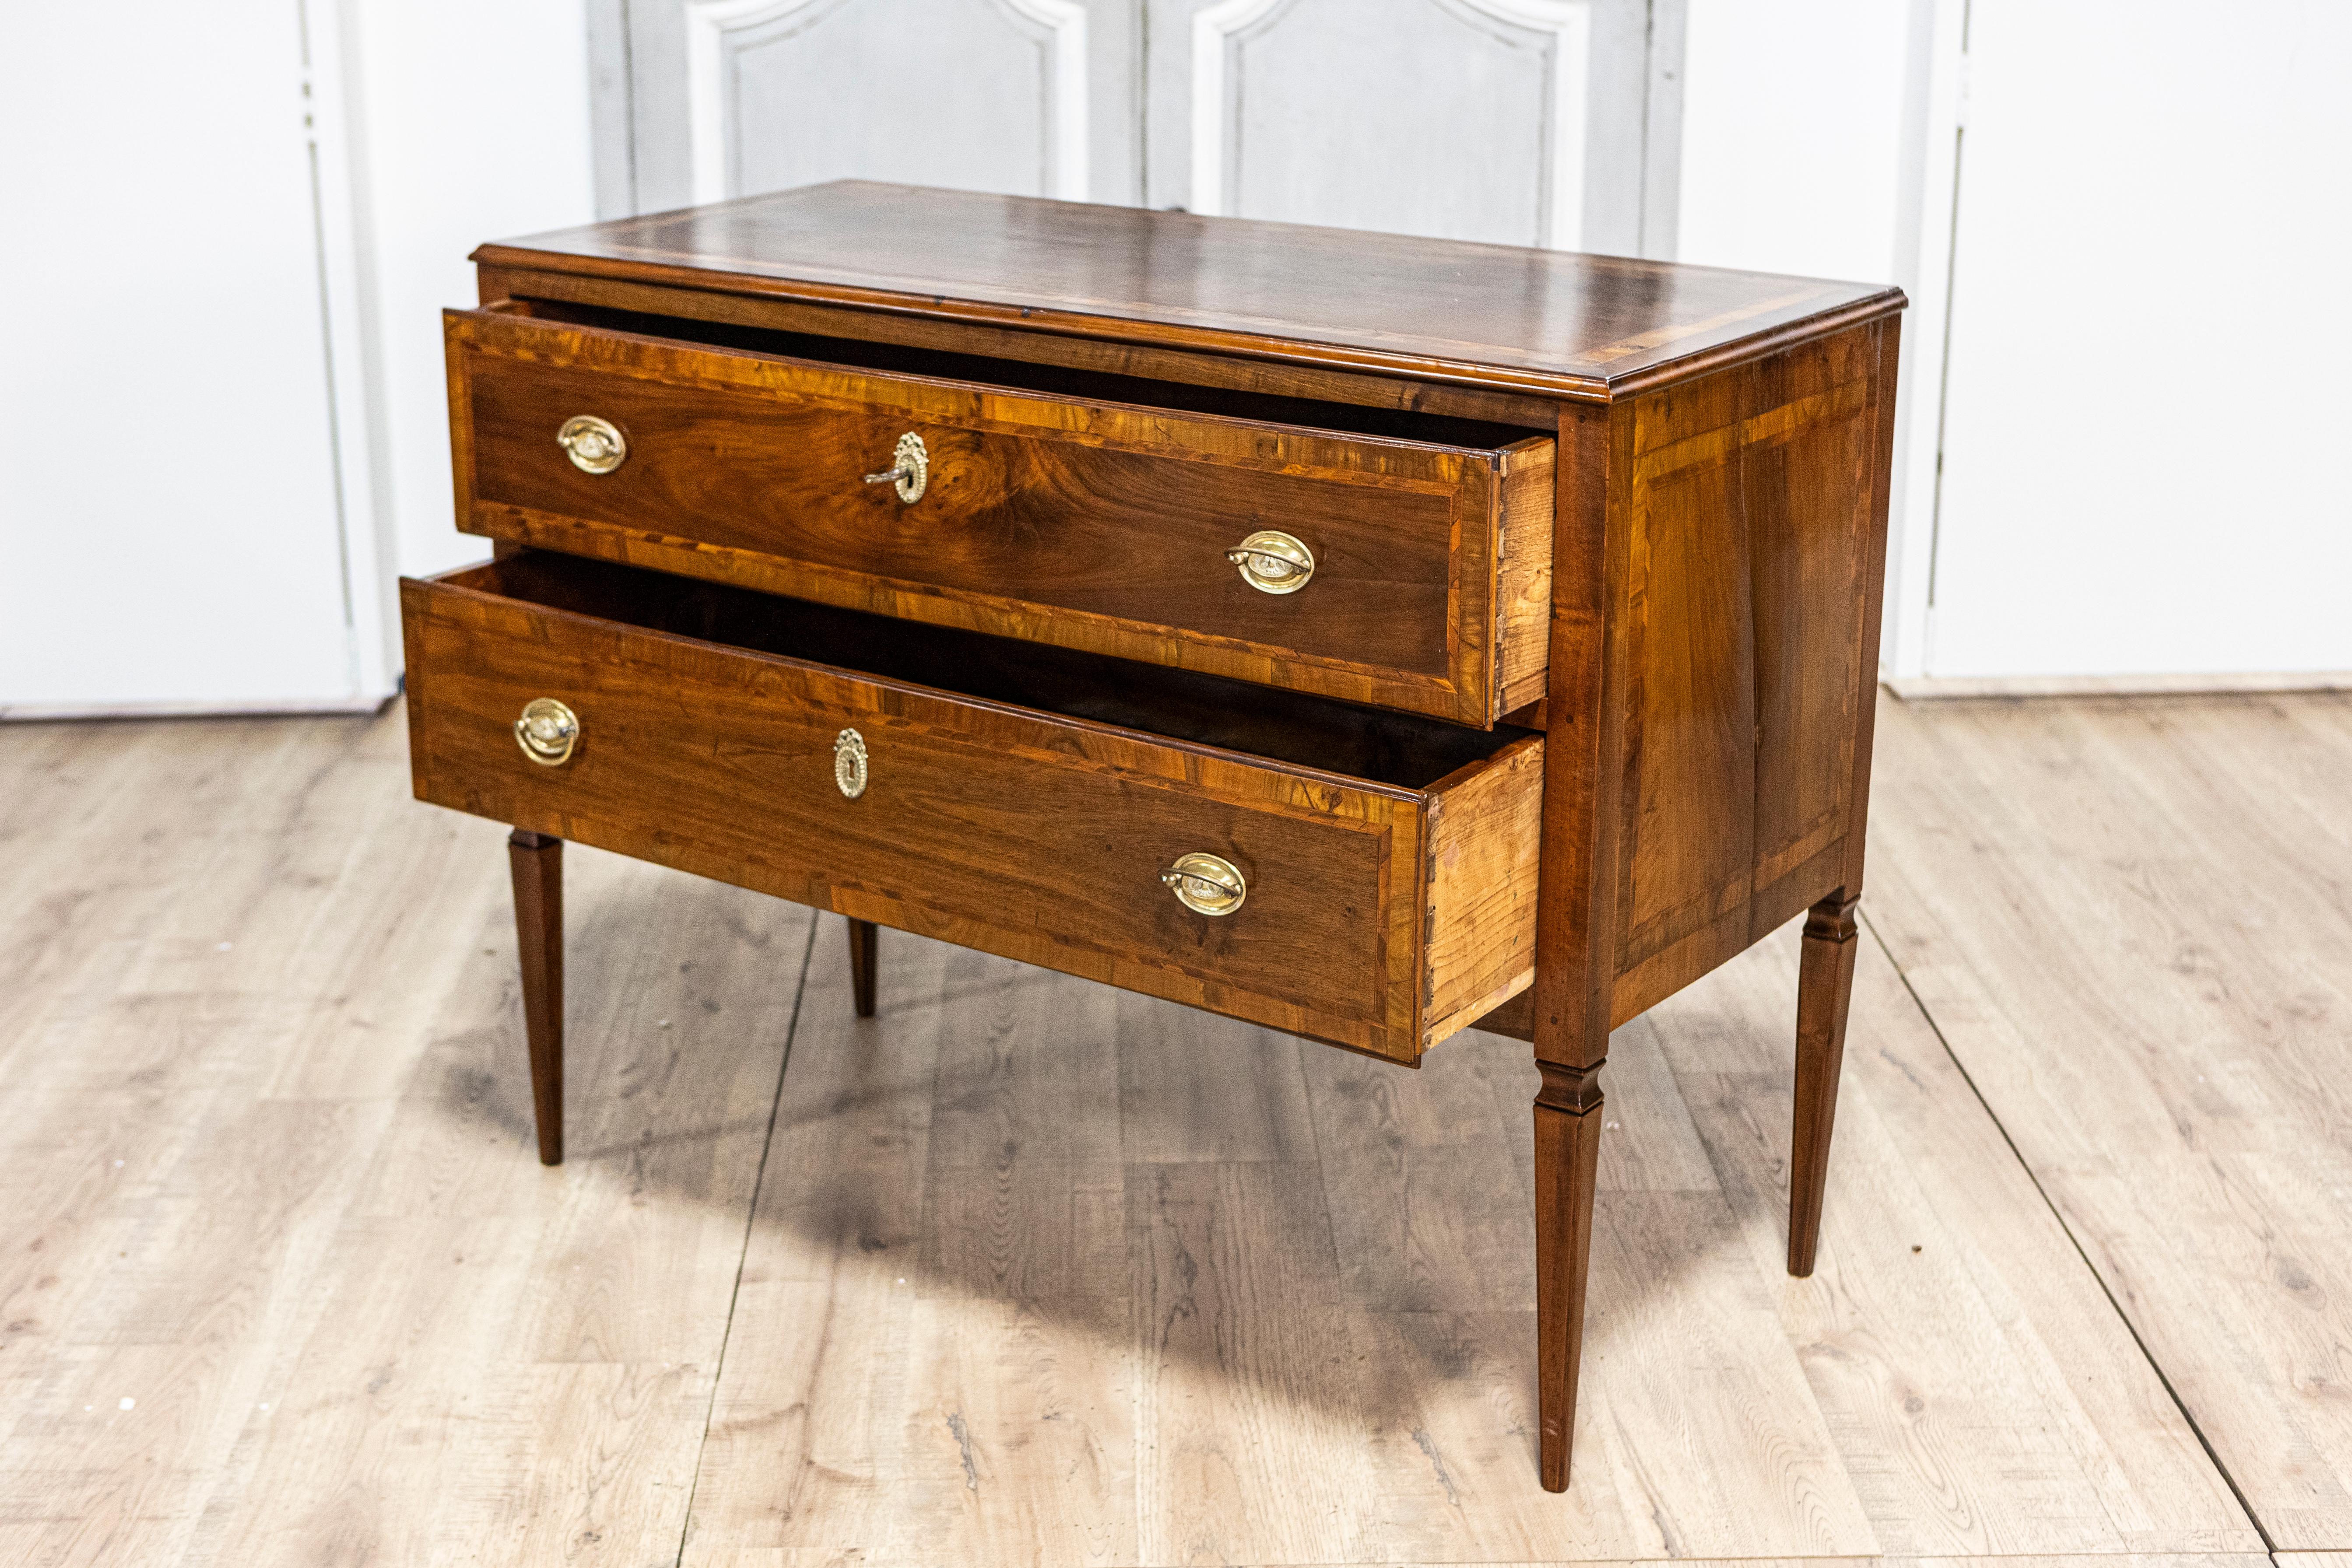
x: 1540, y: 320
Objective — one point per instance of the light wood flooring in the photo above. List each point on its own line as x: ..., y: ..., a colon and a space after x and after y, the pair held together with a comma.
x: 1027, y: 1271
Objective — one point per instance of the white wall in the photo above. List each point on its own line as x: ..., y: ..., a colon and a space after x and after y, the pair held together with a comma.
x: 231, y: 230
x: 473, y: 125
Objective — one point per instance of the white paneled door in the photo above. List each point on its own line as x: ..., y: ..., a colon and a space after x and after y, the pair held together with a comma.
x: 1515, y: 121
x: 182, y: 526
x: 1549, y: 122
x: 2142, y: 401
x: 726, y: 98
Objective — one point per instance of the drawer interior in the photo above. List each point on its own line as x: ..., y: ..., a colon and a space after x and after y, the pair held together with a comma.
x: 896, y: 359
x: 1393, y: 748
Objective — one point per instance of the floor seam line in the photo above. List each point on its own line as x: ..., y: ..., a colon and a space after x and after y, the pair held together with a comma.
x: 750, y: 1217
x: 2162, y: 1377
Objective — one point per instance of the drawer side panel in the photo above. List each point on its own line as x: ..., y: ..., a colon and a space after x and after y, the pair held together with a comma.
x: 1485, y: 838
x: 1523, y: 576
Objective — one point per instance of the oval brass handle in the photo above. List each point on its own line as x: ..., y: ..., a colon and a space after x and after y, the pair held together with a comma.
x: 547, y: 731
x: 1206, y: 884
x: 594, y: 445
x: 911, y: 470
x: 1272, y: 562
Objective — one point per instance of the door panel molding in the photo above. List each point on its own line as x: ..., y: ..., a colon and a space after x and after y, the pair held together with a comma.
x: 1549, y: 122
x: 1215, y: 30
x: 1562, y: 30
x: 719, y: 31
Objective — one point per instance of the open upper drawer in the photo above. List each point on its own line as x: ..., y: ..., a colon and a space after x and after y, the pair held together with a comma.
x: 1389, y: 558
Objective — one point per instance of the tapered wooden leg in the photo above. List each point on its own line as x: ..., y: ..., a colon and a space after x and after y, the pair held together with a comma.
x: 537, y: 862
x: 1824, y: 988
x: 1568, y: 1145
x: 861, y: 942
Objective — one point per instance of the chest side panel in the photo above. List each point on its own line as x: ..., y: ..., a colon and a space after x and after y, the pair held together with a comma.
x: 1754, y: 508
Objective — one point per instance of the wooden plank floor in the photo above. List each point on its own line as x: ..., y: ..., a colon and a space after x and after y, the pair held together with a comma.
x: 2133, y: 922
x: 1027, y: 1271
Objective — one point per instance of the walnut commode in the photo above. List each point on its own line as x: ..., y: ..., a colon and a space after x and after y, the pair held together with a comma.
x: 1360, y: 635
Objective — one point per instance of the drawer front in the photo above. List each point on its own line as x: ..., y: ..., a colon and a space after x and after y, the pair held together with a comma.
x: 1021, y: 833
x: 1091, y: 524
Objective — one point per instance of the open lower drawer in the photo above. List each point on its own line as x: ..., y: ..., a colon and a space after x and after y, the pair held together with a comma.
x: 1017, y: 798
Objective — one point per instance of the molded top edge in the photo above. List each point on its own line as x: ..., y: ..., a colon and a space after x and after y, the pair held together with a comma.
x: 1555, y: 323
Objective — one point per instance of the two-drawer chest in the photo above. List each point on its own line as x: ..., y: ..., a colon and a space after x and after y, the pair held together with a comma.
x: 1364, y: 637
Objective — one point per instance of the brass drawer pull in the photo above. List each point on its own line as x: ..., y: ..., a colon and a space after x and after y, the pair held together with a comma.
x: 594, y: 445
x: 849, y: 766
x: 547, y: 731
x: 912, y: 470
x: 1272, y: 562
x: 1206, y: 884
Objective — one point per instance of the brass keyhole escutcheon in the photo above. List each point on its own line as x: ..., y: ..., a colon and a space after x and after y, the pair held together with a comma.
x: 910, y: 468
x: 849, y: 764
x: 1206, y: 884
x: 1272, y: 562
x: 594, y: 445
x: 547, y: 731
